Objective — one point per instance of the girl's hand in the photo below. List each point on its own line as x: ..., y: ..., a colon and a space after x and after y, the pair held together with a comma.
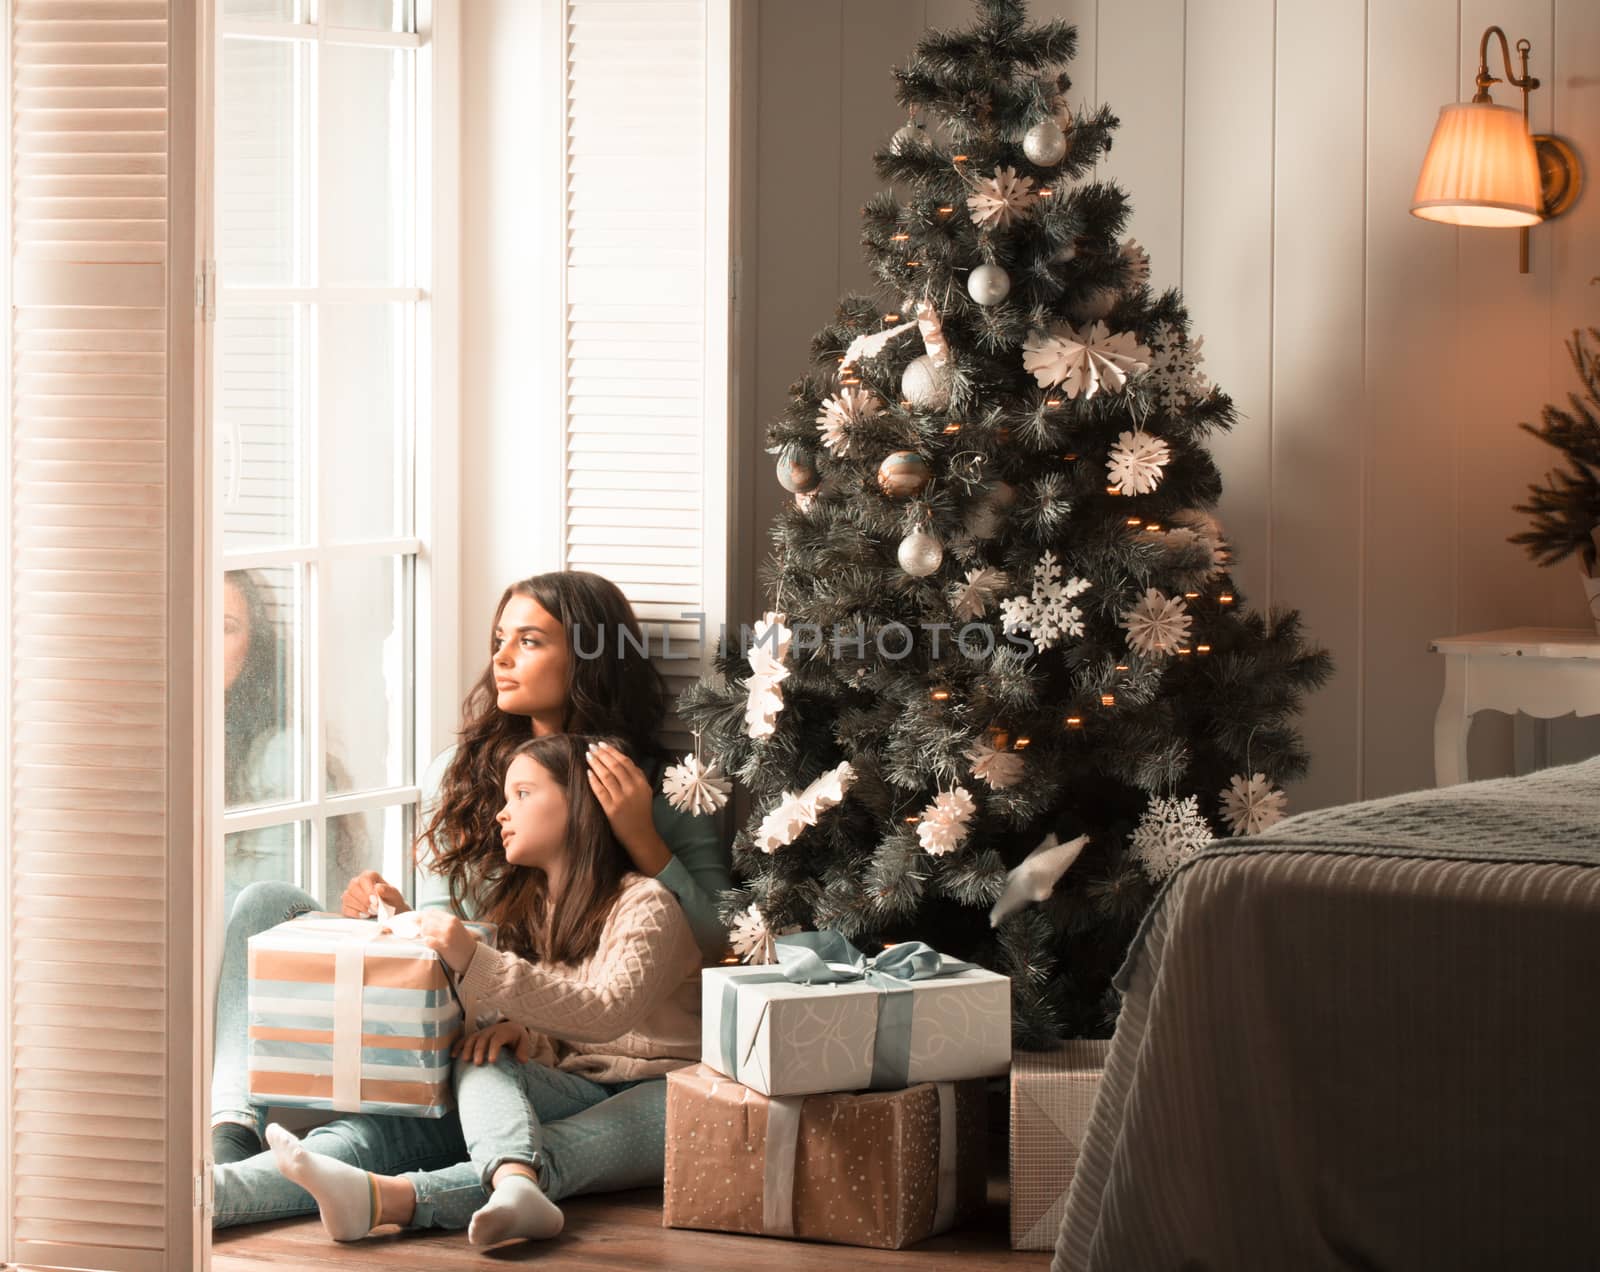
x: 357, y: 900
x: 620, y: 786
x: 449, y: 938
x: 483, y: 1046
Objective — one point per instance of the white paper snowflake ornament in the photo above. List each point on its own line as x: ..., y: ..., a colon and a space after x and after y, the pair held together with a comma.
x: 1036, y: 876
x: 751, y: 937
x: 842, y: 412
x: 1047, y: 614
x: 1170, y: 831
x: 1158, y: 624
x: 1001, y: 200
x: 767, y: 673
x: 1138, y: 262
x: 1083, y: 363
x: 945, y: 823
x: 1175, y: 374
x: 795, y: 810
x: 1135, y: 462
x: 998, y: 768
x: 1252, y: 805
x: 695, y: 788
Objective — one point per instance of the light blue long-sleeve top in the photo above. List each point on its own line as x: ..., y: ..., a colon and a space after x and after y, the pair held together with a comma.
x: 699, y: 869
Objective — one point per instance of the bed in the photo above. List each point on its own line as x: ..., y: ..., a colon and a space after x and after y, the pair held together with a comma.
x: 1368, y: 1039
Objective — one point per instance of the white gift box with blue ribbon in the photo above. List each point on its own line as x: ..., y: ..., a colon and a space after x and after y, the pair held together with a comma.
x: 828, y: 1018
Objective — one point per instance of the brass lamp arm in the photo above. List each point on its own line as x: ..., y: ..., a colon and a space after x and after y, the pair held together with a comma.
x: 1525, y: 82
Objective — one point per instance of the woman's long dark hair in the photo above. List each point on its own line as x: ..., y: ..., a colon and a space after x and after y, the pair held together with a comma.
x: 253, y: 704
x: 615, y: 692
x: 517, y: 897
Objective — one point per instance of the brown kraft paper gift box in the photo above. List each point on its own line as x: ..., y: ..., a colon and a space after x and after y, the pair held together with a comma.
x: 858, y: 1169
x: 1051, y: 1095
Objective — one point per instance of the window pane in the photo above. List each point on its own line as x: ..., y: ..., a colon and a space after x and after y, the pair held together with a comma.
x: 250, y: 856
x: 256, y: 165
x: 377, y: 840
x: 361, y: 422
x: 364, y: 173
x: 261, y: 626
x: 378, y: 15
x: 257, y: 359
x: 365, y: 676
x: 263, y: 10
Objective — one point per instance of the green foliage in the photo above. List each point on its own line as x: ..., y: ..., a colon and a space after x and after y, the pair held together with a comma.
x: 1566, y: 512
x: 1100, y: 727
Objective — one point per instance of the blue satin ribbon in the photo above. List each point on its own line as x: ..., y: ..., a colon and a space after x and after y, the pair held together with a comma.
x: 827, y: 958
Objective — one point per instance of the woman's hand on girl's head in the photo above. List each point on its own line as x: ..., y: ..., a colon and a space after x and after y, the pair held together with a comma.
x: 483, y: 1046
x: 449, y: 938
x: 357, y: 900
x: 620, y: 786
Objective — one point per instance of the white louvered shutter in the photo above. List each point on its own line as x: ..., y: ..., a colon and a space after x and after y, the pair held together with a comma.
x: 99, y: 939
x: 646, y: 290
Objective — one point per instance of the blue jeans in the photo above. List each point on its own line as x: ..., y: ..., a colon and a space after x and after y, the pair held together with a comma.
x: 580, y: 1135
x: 258, y: 906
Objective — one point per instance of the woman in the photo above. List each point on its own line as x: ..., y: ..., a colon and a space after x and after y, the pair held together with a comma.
x: 544, y: 676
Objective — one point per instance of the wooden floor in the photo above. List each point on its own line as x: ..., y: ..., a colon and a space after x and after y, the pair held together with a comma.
x: 618, y: 1231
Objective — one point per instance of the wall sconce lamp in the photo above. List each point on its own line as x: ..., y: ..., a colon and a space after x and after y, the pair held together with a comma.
x: 1483, y: 167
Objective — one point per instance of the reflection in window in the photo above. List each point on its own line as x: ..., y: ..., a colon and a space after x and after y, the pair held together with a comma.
x: 258, y: 748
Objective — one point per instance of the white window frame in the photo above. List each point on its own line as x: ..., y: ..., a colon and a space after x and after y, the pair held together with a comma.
x: 430, y: 717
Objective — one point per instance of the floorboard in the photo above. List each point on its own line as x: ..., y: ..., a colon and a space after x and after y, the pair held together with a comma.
x: 619, y: 1231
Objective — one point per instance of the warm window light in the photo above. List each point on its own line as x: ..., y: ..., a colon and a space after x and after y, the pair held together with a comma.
x: 1483, y: 168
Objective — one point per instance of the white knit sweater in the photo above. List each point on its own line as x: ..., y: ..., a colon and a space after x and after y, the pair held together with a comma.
x: 631, y: 1010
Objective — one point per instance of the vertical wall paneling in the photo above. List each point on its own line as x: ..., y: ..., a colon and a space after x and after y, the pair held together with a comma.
x: 797, y: 266
x: 1412, y: 457
x: 1227, y: 255
x: 1319, y: 364
x: 1572, y: 245
x: 1139, y: 74
x: 1502, y: 321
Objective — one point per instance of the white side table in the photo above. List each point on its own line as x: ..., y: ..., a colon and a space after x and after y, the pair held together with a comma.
x: 1540, y: 671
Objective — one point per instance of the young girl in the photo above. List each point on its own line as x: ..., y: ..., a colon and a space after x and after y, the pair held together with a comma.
x: 597, y: 981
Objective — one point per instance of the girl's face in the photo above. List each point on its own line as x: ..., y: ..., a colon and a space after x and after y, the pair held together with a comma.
x: 235, y: 633
x: 530, y: 663
x: 533, y: 823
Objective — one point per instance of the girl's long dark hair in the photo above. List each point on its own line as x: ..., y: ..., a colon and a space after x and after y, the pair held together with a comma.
x: 517, y: 897
x: 613, y: 690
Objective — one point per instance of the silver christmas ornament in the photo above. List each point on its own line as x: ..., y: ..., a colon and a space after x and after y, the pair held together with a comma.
x: 903, y: 137
x: 925, y: 385
x: 920, y: 553
x: 988, y: 284
x: 1045, y: 144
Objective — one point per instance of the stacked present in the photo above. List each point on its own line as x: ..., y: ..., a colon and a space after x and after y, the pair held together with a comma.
x: 841, y: 1098
x: 352, y: 1015
x: 1052, y: 1093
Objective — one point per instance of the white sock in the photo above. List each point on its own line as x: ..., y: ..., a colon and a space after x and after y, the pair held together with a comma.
x: 516, y: 1208
x: 346, y: 1195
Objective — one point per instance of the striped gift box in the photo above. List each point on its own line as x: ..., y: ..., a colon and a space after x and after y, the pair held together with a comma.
x: 347, y: 1016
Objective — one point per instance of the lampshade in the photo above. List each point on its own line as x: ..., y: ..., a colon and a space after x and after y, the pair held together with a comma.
x: 1480, y: 169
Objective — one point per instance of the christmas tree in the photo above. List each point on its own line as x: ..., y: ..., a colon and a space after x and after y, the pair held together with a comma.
x: 1006, y: 683
x: 1566, y: 512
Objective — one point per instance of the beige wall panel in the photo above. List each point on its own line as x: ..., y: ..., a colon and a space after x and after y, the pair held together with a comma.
x: 1414, y: 395
x: 1139, y: 73
x: 1318, y: 374
x: 1227, y: 256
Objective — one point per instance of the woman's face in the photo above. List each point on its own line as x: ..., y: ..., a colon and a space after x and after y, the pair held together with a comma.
x: 235, y: 633
x: 533, y: 823
x: 530, y: 664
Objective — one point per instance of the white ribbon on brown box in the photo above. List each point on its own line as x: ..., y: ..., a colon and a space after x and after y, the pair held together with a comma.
x: 783, y: 1140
